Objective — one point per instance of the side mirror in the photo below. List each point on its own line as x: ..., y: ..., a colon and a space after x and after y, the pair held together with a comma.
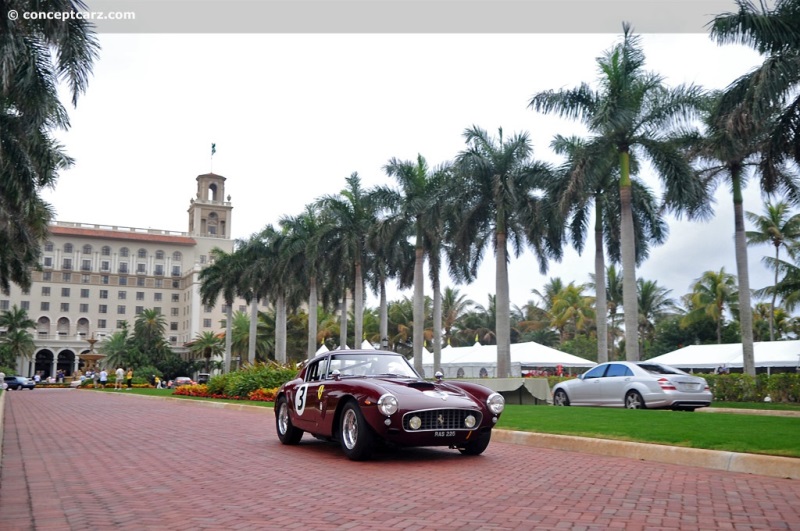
x: 336, y: 374
x: 439, y: 375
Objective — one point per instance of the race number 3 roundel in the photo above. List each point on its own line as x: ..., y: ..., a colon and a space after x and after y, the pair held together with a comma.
x: 301, y: 399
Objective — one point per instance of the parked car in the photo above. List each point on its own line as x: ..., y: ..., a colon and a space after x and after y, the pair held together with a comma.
x: 19, y: 382
x: 634, y: 386
x: 357, y: 397
x: 182, y: 380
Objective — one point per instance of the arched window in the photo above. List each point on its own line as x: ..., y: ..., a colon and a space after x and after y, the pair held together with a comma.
x: 106, y: 251
x: 176, y: 256
x: 48, y: 247
x: 43, y: 326
x: 67, y: 247
x: 87, y: 249
x: 63, y: 326
x: 123, y: 252
x: 159, y: 255
x: 83, y: 326
x: 142, y: 253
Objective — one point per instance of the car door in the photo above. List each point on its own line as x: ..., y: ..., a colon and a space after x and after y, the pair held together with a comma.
x: 587, y: 391
x: 615, y: 384
x: 308, y: 397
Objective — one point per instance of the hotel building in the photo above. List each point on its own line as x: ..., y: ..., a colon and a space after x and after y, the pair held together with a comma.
x: 95, y: 277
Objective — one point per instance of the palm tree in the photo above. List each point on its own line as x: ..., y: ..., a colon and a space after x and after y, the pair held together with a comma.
x: 303, y: 254
x: 780, y: 229
x: 36, y: 55
x: 148, y: 330
x: 571, y: 308
x: 240, y: 340
x: 589, y: 177
x: 634, y: 114
x: 712, y: 294
x: 415, y: 209
x: 496, y: 178
x: 454, y: 306
x: 116, y: 347
x: 767, y: 95
x: 353, y: 213
x: 654, y: 304
x: 207, y: 344
x: 725, y: 154
x: 17, y: 339
x: 222, y: 277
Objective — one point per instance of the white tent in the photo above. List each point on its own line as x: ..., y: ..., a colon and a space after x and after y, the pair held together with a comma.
x: 366, y: 345
x: 322, y: 348
x: 481, y: 360
x: 765, y: 353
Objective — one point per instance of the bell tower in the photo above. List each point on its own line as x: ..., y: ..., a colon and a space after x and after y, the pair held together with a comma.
x: 210, y: 211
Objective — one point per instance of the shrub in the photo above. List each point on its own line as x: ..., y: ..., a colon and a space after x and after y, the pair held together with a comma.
x: 241, y: 383
x: 263, y: 395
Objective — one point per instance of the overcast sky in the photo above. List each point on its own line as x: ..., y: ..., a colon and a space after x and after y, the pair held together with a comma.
x: 293, y: 115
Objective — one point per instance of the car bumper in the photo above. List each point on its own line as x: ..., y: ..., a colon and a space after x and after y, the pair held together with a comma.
x: 678, y: 399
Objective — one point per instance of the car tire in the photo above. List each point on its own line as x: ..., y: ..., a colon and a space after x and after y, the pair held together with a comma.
x: 287, y: 433
x: 560, y: 398
x: 633, y: 400
x: 477, y: 446
x: 355, y: 434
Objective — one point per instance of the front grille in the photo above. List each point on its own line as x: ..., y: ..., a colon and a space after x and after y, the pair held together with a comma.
x: 442, y: 419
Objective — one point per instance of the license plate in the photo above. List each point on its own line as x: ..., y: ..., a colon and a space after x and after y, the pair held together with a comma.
x: 444, y: 434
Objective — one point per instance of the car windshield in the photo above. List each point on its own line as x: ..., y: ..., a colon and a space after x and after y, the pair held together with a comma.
x: 389, y: 365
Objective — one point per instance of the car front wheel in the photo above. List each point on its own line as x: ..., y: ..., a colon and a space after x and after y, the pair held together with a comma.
x: 633, y: 400
x: 355, y: 435
x: 287, y: 433
x: 477, y: 446
x: 560, y: 398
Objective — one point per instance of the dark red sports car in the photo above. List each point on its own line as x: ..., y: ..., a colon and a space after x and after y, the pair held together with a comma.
x: 358, y: 396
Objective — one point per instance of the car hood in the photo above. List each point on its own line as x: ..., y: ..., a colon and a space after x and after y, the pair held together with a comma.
x: 421, y: 393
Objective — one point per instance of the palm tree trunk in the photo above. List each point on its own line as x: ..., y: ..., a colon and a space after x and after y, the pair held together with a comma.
x: 745, y: 310
x: 437, y: 324
x: 629, y: 301
x: 251, y: 340
x: 384, y: 315
x: 226, y: 364
x: 774, y: 296
x: 312, y: 318
x: 280, y: 329
x: 343, y: 322
x: 419, y: 304
x: 358, y: 307
x: 601, y: 302
x: 503, y: 309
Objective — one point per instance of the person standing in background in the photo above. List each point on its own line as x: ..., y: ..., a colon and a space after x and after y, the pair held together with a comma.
x: 120, y: 376
x: 129, y: 378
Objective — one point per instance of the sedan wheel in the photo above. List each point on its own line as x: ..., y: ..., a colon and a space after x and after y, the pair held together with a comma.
x: 560, y: 398
x: 356, y: 436
x: 633, y: 400
x: 287, y: 433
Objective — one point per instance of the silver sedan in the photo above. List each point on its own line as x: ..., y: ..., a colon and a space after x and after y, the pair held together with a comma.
x: 634, y: 386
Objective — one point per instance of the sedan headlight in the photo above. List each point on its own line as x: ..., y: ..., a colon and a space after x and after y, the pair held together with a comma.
x: 387, y: 404
x: 496, y: 403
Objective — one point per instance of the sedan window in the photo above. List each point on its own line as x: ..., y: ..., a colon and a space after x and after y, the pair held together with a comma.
x: 617, y: 369
x: 659, y: 369
x: 596, y: 372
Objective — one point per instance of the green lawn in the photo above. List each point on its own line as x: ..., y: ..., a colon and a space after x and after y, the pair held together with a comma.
x: 734, y: 432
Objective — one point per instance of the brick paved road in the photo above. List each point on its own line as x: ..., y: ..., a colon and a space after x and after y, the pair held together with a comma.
x: 89, y: 460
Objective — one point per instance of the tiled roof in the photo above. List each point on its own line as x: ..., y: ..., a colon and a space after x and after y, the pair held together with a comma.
x: 122, y: 235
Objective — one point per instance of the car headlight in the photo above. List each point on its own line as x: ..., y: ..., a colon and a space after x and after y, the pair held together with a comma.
x: 496, y: 403
x: 415, y: 422
x: 387, y: 404
x: 470, y: 421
